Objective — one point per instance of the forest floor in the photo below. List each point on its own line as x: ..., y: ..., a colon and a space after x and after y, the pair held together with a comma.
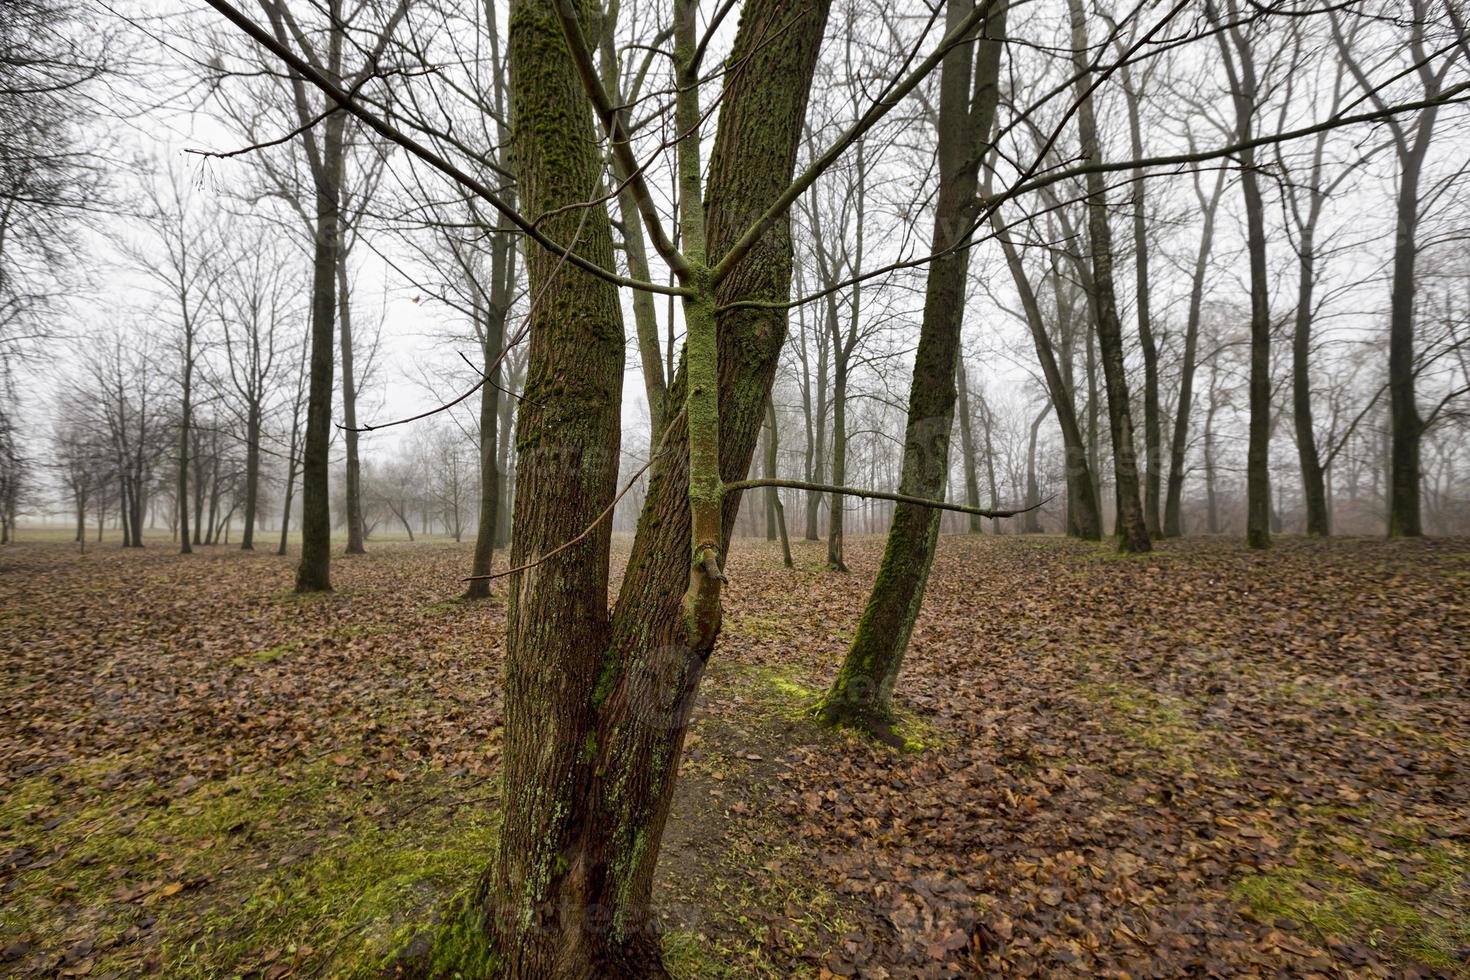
x: 1199, y: 762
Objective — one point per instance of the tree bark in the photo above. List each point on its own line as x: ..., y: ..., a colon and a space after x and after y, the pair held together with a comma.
x: 493, y: 341
x: 862, y: 693
x: 356, y: 536
x: 1083, y: 518
x: 1133, y: 533
x: 1173, y: 503
x: 967, y: 443
x: 773, y: 494
x: 313, y: 573
x: 536, y: 901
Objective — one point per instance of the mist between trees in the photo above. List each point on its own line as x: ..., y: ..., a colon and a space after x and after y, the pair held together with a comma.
x: 276, y: 271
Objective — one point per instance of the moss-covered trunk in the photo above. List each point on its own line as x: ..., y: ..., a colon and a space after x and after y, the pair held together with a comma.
x: 862, y: 692
x: 655, y: 656
x: 567, y: 443
x: 596, y: 708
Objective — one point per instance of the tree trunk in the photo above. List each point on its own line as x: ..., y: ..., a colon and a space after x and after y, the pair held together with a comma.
x: 494, y: 338
x: 1241, y: 71
x: 836, y: 505
x: 967, y: 443
x: 210, y: 536
x: 313, y: 574
x: 1212, y: 506
x: 819, y: 450
x: 186, y: 409
x: 505, y: 460
x: 1133, y: 533
x: 1404, y: 421
x: 355, y: 532
x: 252, y: 476
x: 988, y: 426
x: 773, y: 494
x: 596, y: 712
x: 537, y: 898
x: 1152, y: 424
x: 1031, y: 522
x: 286, y: 510
x: 1083, y: 518
x: 1314, y: 493
x: 862, y: 693
x: 1173, y: 504
x: 199, y: 462
x: 1094, y: 428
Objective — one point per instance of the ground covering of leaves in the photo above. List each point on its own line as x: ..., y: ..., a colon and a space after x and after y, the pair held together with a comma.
x: 1200, y: 762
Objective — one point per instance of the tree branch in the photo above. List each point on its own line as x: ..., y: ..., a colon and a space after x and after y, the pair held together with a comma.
x: 901, y: 498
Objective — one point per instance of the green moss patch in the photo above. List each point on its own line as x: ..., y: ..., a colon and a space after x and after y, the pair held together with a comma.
x: 298, y: 868
x: 1150, y: 720
x: 1396, y: 887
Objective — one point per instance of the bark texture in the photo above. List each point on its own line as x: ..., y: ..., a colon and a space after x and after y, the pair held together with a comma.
x: 862, y: 693
x: 1132, y: 531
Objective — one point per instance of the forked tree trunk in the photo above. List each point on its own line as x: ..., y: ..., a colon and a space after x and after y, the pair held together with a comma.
x: 862, y: 693
x: 597, y: 710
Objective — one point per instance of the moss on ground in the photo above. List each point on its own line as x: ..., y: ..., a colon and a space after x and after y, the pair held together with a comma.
x: 1399, y: 889
x: 1151, y: 720
x: 290, y: 867
x: 751, y: 883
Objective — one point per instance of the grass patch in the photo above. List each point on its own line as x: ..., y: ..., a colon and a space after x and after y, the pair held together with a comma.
x: 1396, y: 889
